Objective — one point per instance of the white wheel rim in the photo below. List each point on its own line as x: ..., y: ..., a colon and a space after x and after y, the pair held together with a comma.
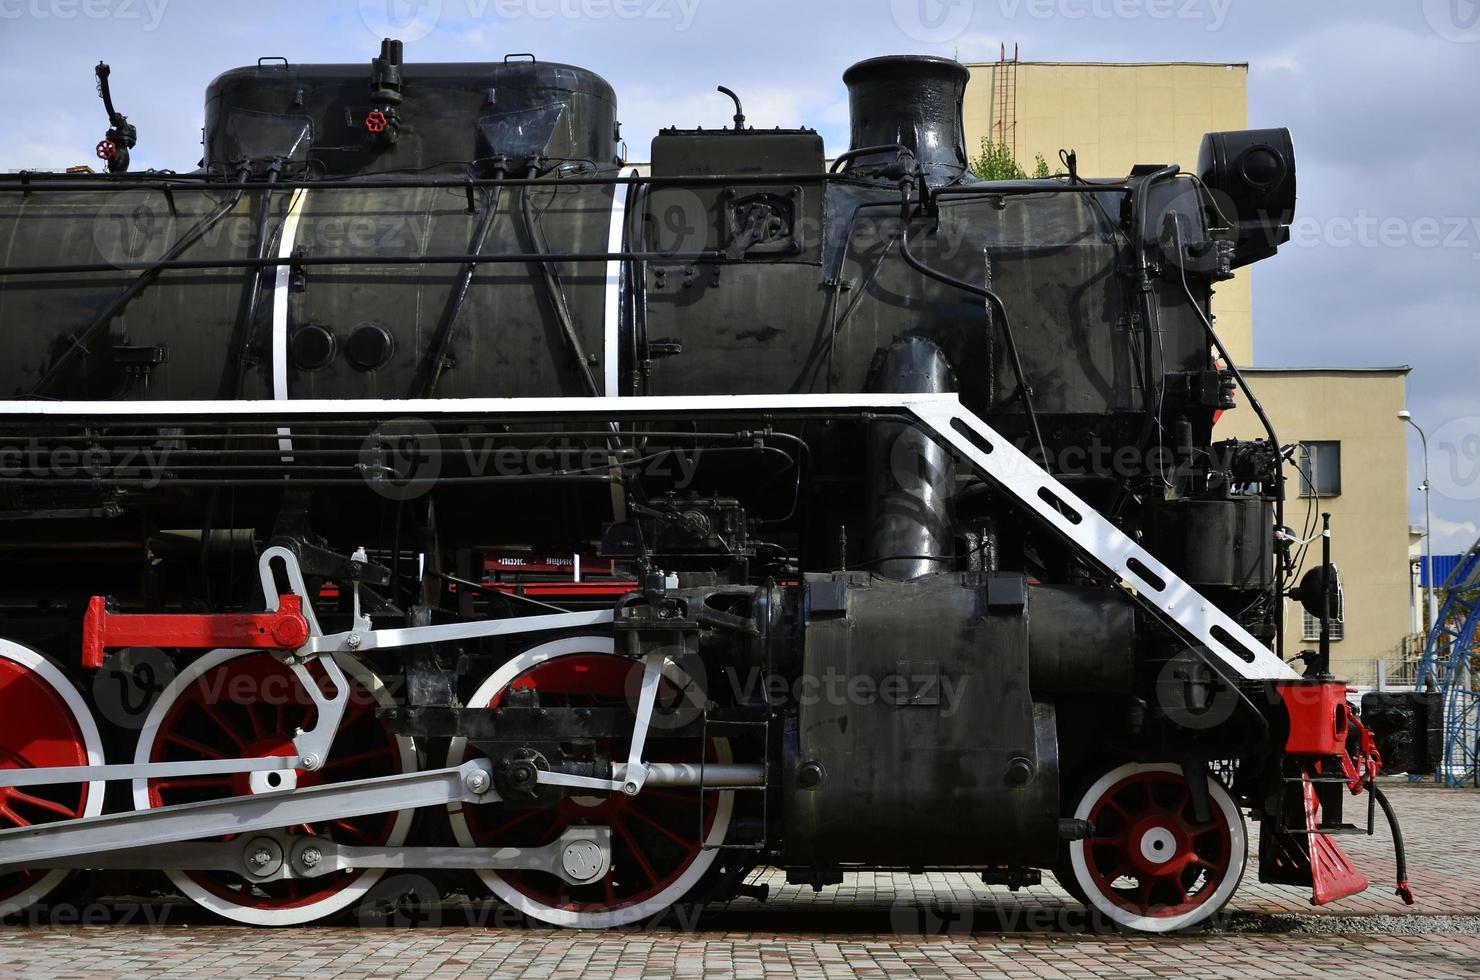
x: 92, y: 743
x: 1223, y: 804
x: 541, y: 911
x: 250, y: 915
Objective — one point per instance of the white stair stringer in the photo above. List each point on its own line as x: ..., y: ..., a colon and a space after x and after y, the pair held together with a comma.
x: 1056, y: 504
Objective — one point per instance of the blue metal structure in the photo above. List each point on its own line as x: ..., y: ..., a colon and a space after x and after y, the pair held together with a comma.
x: 1450, y: 664
x: 1444, y: 566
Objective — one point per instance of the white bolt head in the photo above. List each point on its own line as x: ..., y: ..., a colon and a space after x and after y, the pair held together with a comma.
x: 353, y: 641
x: 311, y: 856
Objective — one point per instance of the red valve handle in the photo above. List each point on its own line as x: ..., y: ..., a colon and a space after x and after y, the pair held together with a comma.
x: 376, y: 121
x: 106, y: 150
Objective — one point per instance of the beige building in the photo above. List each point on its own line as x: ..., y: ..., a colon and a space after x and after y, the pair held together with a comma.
x: 1344, y: 421
x: 1353, y: 458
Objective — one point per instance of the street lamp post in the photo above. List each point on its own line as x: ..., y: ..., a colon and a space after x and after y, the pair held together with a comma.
x: 1428, y: 521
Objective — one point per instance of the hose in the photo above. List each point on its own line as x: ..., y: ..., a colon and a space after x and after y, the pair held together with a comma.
x: 1402, y: 891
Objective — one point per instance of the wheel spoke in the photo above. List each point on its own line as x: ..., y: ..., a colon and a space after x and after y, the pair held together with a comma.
x: 193, y: 745
x: 350, y: 828
x: 512, y: 822
x: 349, y: 760
x: 620, y: 826
x: 209, y: 710
x: 668, y: 832
x: 252, y: 715
x: 40, y: 803
x: 13, y: 817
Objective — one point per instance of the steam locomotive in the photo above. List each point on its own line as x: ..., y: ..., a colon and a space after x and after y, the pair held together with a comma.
x: 417, y: 485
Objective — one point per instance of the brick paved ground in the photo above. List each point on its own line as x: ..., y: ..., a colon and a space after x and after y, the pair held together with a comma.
x: 870, y: 927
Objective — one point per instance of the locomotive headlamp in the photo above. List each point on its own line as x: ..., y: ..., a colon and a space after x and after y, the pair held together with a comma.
x: 1250, y: 175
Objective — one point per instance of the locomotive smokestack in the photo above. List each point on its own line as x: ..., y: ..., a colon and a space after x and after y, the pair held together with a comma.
x: 911, y: 479
x: 914, y: 101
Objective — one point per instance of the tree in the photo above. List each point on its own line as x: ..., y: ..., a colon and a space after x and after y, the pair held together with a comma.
x: 995, y: 162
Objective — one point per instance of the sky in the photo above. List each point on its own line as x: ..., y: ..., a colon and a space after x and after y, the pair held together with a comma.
x: 1381, y: 97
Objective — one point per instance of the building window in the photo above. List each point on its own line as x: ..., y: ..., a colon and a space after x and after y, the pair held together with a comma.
x: 1320, y: 469
x: 1311, y: 628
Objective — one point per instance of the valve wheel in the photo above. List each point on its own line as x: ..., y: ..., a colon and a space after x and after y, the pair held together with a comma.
x: 106, y: 149
x: 232, y: 704
x: 1150, y: 865
x: 376, y: 121
x: 657, y: 857
x: 46, y: 723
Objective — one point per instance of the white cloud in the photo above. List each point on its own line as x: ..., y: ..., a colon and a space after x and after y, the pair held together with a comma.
x: 1454, y: 537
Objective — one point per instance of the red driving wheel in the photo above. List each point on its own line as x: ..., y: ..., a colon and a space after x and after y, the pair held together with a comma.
x: 248, y: 704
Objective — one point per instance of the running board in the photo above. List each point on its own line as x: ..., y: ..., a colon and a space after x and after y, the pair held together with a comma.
x: 943, y: 414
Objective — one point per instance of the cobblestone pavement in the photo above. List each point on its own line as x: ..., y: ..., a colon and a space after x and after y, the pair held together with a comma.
x: 876, y: 926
